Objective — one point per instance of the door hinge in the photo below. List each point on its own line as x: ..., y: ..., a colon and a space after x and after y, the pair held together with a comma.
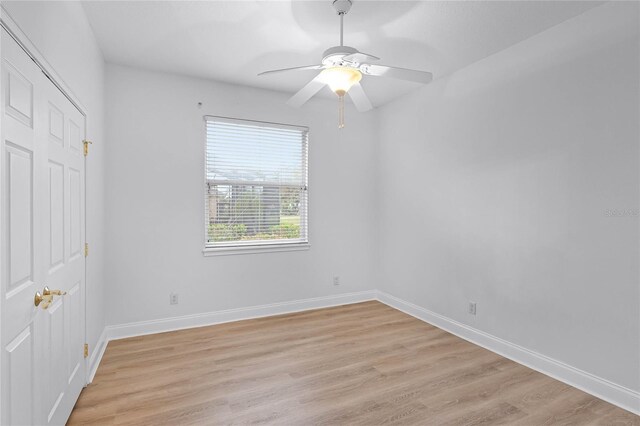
x: 86, y: 146
x: 86, y: 350
x: 86, y: 249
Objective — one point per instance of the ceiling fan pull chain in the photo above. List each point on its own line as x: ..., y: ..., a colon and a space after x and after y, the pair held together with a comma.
x: 341, y: 111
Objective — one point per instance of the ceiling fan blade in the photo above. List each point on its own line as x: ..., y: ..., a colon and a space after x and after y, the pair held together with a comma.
x: 308, y: 67
x: 359, y: 98
x: 360, y: 57
x: 399, y: 73
x: 306, y: 92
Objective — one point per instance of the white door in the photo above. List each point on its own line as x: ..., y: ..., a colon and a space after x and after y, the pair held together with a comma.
x: 42, y: 230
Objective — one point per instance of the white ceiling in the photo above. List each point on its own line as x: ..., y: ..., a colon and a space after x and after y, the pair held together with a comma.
x: 232, y: 41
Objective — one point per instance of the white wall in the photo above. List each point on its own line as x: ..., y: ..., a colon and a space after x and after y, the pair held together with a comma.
x: 155, y: 200
x: 494, y: 187
x: 61, y: 33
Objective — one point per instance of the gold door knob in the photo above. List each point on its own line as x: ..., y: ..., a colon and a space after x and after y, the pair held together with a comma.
x: 45, y: 300
x: 48, y: 292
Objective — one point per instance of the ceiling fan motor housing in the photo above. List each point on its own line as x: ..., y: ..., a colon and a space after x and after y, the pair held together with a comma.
x: 333, y: 55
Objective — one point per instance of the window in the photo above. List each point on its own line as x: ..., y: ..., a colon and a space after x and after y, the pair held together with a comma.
x: 256, y: 186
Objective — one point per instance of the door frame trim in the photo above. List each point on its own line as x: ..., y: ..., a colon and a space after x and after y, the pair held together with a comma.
x: 14, y: 30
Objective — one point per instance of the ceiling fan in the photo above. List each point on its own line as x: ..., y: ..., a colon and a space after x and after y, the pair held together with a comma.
x: 342, y: 69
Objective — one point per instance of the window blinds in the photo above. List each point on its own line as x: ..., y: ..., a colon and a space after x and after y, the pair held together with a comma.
x: 256, y: 183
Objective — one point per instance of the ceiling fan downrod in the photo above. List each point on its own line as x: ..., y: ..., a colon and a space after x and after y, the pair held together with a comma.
x: 342, y: 7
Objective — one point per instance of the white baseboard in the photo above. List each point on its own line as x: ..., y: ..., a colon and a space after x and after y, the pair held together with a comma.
x: 210, y: 318
x: 96, y: 355
x: 599, y: 387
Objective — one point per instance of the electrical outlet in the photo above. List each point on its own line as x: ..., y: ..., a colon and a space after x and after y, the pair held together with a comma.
x: 173, y: 298
x: 336, y: 280
x: 472, y: 308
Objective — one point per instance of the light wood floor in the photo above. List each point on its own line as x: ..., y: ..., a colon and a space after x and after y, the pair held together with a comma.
x: 362, y: 364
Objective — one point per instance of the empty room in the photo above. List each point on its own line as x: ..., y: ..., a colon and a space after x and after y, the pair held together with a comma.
x: 320, y: 212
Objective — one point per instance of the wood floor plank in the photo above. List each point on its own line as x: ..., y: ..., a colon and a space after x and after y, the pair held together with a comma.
x: 360, y: 364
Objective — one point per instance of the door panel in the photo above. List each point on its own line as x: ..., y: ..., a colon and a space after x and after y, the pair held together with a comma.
x: 75, y: 208
x: 42, y: 181
x: 54, y: 348
x: 66, y: 319
x: 56, y: 125
x: 20, y: 269
x: 19, y: 96
x: 74, y: 307
x: 20, y: 212
x: 64, y: 225
x: 75, y: 138
x: 20, y: 355
x: 56, y: 209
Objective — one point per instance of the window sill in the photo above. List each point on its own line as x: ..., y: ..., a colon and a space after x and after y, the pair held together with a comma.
x: 226, y: 251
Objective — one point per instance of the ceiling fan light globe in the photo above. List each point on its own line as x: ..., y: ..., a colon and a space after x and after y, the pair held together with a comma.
x: 341, y: 79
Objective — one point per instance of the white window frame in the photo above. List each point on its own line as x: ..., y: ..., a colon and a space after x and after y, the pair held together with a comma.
x: 262, y: 246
